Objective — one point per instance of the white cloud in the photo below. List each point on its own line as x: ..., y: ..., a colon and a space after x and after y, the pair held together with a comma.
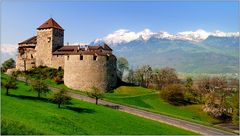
x: 9, y: 49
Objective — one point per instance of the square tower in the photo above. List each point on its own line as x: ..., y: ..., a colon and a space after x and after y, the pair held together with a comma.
x: 50, y: 37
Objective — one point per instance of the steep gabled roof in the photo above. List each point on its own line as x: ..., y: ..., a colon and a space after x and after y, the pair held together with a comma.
x: 50, y: 23
x: 32, y: 40
x: 106, y: 47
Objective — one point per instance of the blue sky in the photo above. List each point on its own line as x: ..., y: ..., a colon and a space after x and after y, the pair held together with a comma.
x: 85, y: 21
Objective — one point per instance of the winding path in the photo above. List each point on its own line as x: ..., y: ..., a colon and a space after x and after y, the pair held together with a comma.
x: 204, y: 130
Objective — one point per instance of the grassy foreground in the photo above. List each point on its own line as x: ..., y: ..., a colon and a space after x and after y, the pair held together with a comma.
x: 151, y: 100
x: 23, y: 113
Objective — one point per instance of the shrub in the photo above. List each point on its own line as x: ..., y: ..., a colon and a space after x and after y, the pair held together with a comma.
x: 174, y: 94
x: 43, y: 72
x: 58, y: 79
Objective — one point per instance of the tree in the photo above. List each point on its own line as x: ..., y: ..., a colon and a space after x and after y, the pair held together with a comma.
x: 215, y: 91
x: 143, y: 75
x: 40, y: 87
x: 235, y: 106
x: 130, y: 77
x: 10, y: 63
x: 96, y: 93
x: 166, y: 76
x: 61, y: 97
x: 9, y: 83
x: 189, y: 82
x: 122, y: 65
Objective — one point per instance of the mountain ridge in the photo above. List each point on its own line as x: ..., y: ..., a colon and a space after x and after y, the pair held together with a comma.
x: 216, y: 53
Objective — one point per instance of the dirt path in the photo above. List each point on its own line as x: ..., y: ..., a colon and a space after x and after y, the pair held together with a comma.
x: 153, y: 116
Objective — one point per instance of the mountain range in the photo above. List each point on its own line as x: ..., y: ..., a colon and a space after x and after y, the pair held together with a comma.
x: 191, y: 51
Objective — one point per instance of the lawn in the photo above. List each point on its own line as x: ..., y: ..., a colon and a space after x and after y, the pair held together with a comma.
x: 23, y: 113
x: 150, y: 100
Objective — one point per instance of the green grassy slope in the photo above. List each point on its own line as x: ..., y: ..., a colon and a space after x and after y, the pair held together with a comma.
x: 22, y: 113
x: 150, y: 100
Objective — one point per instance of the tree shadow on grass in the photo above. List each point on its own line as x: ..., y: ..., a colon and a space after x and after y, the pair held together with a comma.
x: 80, y: 110
x: 29, y: 97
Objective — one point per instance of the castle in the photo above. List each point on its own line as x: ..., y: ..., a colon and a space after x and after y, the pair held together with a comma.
x: 84, y: 66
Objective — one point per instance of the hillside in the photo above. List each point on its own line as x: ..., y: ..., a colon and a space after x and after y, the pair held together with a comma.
x: 150, y: 100
x: 23, y: 113
x: 196, y: 52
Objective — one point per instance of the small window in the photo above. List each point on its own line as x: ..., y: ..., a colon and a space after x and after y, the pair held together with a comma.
x: 31, y: 56
x: 68, y: 57
x: 57, y: 55
x: 81, y: 57
x: 107, y: 57
x: 94, y: 57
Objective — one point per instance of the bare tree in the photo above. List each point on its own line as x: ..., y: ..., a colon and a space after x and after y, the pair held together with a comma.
x: 143, y: 75
x: 166, y: 76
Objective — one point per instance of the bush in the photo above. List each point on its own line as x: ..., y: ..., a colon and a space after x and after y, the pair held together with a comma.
x: 178, y: 94
x: 174, y: 94
x: 43, y: 72
x: 58, y: 80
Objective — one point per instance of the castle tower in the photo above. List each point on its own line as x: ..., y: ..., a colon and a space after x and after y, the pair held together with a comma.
x: 50, y: 37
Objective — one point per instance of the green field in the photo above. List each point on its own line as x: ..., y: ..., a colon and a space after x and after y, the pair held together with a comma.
x: 23, y: 113
x: 150, y: 100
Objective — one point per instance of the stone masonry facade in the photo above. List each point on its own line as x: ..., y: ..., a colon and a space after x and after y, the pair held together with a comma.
x: 84, y: 67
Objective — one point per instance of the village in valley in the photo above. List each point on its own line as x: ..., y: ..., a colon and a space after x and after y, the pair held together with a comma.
x: 52, y: 87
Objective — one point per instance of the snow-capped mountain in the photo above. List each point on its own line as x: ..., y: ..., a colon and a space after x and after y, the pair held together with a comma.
x: 190, y: 51
x: 125, y: 36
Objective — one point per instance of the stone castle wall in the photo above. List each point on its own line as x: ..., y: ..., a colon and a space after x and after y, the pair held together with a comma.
x: 28, y: 56
x: 86, y: 73
x: 44, y: 48
x: 57, y: 61
x: 48, y: 40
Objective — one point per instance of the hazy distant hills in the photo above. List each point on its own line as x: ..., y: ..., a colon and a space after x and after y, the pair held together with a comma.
x: 192, y: 52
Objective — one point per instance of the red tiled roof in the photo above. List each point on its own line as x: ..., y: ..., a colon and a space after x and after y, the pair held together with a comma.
x: 74, y: 50
x: 94, y: 47
x: 50, y: 23
x: 32, y: 40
